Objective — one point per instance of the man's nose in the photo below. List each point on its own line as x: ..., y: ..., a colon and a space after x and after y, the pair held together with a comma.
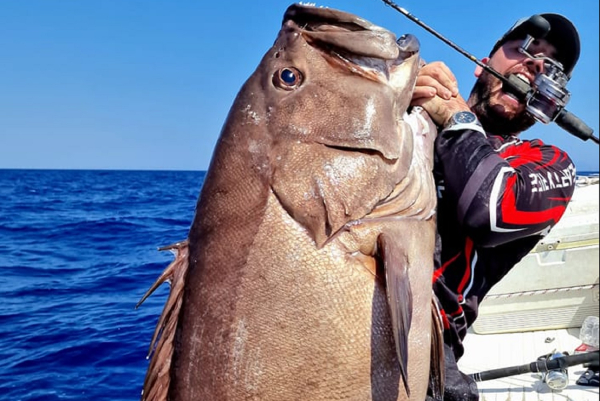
x: 535, y: 64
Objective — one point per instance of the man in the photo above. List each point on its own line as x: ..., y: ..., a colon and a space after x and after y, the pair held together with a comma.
x: 498, y: 194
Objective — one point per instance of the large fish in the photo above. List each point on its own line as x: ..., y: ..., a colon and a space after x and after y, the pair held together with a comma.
x: 307, y: 271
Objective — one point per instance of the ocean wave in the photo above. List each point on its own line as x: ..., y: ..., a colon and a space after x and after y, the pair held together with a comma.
x: 78, y: 249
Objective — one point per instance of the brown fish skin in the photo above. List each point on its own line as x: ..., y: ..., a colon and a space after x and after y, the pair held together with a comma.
x: 318, y: 194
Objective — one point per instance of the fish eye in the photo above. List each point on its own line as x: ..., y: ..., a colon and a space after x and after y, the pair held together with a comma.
x: 287, y: 78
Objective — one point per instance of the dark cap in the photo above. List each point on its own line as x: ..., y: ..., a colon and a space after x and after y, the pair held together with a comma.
x: 562, y: 35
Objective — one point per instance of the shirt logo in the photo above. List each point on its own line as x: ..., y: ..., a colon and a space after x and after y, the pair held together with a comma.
x: 553, y: 179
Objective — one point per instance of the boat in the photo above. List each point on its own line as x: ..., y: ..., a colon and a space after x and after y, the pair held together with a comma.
x: 539, y: 307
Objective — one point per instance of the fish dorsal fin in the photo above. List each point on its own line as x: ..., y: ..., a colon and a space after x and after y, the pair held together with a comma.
x: 399, y: 296
x: 158, y: 377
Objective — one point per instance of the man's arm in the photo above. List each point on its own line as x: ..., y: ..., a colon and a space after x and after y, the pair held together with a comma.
x: 520, y: 190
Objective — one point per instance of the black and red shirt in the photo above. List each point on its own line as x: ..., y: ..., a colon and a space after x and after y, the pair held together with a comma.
x: 497, y: 196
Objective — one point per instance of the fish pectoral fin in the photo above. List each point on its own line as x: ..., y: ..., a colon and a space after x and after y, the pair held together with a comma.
x: 399, y: 295
x: 436, y: 370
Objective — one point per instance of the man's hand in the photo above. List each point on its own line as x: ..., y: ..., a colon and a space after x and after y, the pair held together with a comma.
x: 441, y: 110
x: 436, y: 91
x: 435, y: 79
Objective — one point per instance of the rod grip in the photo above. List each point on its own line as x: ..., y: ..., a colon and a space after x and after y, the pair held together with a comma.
x: 573, y: 125
x: 502, y: 372
x: 537, y: 366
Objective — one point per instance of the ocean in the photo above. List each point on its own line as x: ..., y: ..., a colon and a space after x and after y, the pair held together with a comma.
x: 78, y: 249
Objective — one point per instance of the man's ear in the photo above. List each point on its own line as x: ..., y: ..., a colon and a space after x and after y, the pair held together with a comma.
x: 479, y: 69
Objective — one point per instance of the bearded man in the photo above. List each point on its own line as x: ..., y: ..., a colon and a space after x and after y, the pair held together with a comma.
x: 498, y: 194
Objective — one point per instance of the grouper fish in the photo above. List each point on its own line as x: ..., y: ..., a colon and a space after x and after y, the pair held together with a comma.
x: 306, y: 274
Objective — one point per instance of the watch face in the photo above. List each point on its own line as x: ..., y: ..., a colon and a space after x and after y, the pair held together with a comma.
x: 464, y: 117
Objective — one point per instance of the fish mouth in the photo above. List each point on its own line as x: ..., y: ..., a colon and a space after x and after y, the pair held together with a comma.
x: 351, y: 42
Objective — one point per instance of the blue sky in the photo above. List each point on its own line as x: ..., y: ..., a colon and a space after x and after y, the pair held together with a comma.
x: 143, y: 84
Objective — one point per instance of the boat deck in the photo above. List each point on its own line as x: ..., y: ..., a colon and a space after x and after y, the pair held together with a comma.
x: 492, y: 351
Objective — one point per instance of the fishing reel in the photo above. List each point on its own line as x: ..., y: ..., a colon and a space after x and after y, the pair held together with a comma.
x: 547, y: 95
x: 557, y: 378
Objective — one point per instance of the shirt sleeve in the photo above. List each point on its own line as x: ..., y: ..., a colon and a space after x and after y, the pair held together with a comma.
x: 503, y: 189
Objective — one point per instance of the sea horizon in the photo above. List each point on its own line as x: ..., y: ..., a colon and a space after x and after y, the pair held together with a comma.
x: 150, y: 170
x: 95, y: 169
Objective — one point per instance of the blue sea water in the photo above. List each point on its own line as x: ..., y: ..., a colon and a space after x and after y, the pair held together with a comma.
x: 77, y: 251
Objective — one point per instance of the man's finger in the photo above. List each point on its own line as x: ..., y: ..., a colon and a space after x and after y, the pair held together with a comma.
x: 435, y: 85
x: 423, y: 92
x: 441, y: 74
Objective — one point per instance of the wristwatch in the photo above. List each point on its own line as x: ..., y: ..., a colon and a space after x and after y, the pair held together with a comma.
x: 464, y: 120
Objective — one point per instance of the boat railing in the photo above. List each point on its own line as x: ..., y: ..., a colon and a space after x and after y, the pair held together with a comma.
x: 585, y: 180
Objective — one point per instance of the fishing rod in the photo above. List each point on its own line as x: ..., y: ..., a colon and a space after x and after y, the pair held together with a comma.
x: 546, y: 101
x: 547, y: 364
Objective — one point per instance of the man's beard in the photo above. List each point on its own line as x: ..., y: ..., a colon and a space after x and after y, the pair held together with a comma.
x: 493, y: 122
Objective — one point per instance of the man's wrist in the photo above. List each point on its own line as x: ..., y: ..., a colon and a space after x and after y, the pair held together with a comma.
x: 461, y: 120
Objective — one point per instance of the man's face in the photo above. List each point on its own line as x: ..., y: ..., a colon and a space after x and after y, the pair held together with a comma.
x: 499, y: 111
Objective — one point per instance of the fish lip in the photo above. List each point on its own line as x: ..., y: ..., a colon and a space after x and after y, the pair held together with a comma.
x: 408, y: 45
x: 371, y: 52
x: 324, y: 26
x: 312, y: 19
x: 303, y: 14
x: 373, y: 69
